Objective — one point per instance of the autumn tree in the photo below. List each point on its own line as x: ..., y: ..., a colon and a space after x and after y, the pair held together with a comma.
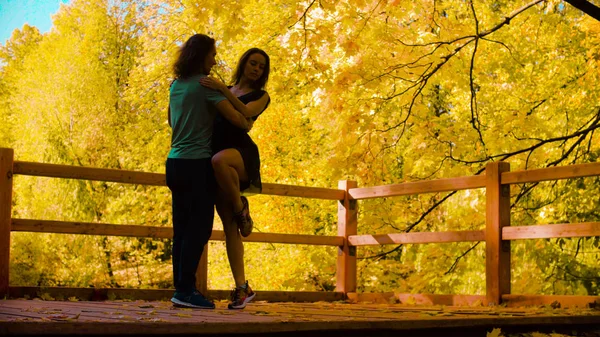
x: 381, y: 92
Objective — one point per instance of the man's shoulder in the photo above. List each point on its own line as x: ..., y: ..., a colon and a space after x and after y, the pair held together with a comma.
x: 187, y: 82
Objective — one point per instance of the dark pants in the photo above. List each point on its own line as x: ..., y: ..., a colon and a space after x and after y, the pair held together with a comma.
x: 193, y: 189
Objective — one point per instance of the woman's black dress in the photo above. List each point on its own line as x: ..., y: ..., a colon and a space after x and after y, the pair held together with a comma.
x: 227, y: 136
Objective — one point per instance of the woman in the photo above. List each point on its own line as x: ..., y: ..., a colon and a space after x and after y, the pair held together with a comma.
x: 189, y: 172
x: 236, y: 162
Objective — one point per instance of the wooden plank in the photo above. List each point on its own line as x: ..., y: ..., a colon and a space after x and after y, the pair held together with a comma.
x: 89, y: 228
x: 497, y: 252
x: 132, y: 311
x: 92, y: 294
x: 102, y: 294
x: 117, y: 311
x: 299, y: 239
x: 6, y: 187
x: 418, y: 187
x: 551, y: 173
x: 31, y: 313
x: 157, y: 179
x: 418, y: 299
x: 274, y: 319
x: 303, y: 192
x: 347, y: 226
x: 584, y: 229
x: 334, y: 309
x: 64, y: 311
x: 562, y: 301
x: 89, y: 173
x: 421, y: 237
x: 286, y: 296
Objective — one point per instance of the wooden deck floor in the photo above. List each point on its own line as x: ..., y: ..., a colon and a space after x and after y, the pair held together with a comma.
x: 24, y: 317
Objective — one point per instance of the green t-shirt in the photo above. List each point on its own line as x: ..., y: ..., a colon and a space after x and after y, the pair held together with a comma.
x: 192, y: 115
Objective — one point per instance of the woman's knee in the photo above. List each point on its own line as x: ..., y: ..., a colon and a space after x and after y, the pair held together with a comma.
x: 218, y: 160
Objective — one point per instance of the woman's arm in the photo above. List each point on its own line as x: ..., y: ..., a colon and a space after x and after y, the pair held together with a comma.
x: 249, y: 110
x: 231, y: 114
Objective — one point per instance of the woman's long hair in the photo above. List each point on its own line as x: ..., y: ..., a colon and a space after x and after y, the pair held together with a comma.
x: 239, y: 71
x: 191, y: 56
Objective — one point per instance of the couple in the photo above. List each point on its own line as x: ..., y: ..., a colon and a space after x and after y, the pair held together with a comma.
x: 212, y: 159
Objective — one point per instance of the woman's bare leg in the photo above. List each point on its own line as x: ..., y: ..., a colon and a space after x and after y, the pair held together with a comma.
x: 233, y: 240
x: 229, y: 171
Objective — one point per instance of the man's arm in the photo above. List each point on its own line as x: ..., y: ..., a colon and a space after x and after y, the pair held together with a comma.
x: 169, y: 114
x: 251, y: 109
x: 231, y: 114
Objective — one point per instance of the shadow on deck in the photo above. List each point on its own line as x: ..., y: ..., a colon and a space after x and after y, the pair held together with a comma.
x: 37, y: 317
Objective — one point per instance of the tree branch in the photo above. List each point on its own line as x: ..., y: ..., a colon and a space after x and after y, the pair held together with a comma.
x: 587, y: 7
x: 453, y: 266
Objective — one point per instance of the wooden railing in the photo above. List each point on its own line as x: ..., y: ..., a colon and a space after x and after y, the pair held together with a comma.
x: 497, y: 233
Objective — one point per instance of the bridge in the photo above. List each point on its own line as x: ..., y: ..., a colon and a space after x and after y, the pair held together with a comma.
x: 341, y: 312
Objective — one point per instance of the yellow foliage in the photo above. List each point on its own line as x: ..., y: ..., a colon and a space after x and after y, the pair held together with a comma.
x: 377, y: 92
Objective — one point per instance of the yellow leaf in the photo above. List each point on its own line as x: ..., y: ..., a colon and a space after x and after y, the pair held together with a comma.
x: 494, y: 333
x: 538, y: 334
x: 46, y: 297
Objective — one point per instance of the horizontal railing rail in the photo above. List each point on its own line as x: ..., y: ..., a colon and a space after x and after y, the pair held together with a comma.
x: 497, y: 234
x: 418, y: 237
x: 551, y: 173
x: 574, y: 230
x: 94, y: 228
x: 156, y: 179
x: 418, y: 187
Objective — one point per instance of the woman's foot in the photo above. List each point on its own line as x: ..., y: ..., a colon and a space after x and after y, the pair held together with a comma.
x: 240, y: 296
x: 243, y: 219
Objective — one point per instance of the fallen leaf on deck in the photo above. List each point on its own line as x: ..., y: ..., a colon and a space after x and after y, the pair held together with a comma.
x: 446, y: 314
x: 62, y: 317
x: 150, y: 319
x: 494, y: 333
x: 263, y: 313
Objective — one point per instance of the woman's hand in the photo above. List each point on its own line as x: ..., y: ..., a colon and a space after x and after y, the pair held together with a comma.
x: 213, y: 83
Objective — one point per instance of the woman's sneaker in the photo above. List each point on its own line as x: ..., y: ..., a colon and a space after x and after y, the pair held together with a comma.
x: 240, y: 296
x: 243, y: 219
x: 192, y: 299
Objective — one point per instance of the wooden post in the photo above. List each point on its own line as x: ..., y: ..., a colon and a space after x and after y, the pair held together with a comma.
x: 347, y: 221
x: 497, y: 252
x: 202, y: 272
x: 6, y: 185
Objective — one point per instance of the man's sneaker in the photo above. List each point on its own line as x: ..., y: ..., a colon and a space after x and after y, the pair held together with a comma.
x: 243, y: 219
x: 240, y: 296
x: 191, y: 300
